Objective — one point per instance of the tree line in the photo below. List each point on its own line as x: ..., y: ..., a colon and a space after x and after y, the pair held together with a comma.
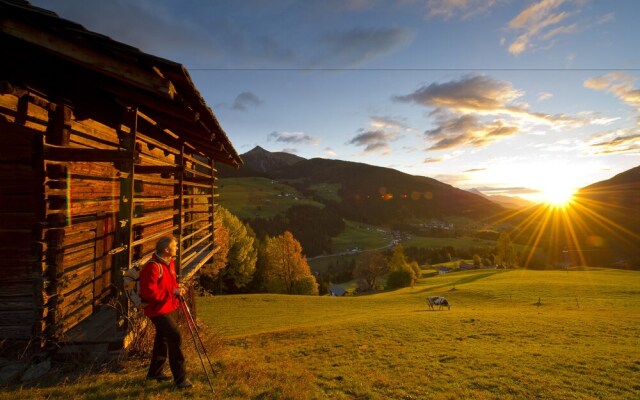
x: 244, y: 263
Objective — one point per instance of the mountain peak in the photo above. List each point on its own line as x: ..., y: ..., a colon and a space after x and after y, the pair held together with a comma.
x: 264, y: 161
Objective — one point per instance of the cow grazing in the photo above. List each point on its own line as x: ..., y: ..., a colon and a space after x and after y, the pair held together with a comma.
x: 438, y: 301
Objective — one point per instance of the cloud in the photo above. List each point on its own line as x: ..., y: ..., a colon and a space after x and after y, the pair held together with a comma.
x: 471, y: 93
x: 381, y: 131
x: 374, y: 141
x: 430, y: 160
x: 293, y: 137
x: 619, y: 84
x: 616, y: 142
x: 290, y: 150
x: 475, y: 170
x: 468, y: 130
x: 537, y: 25
x: 246, y: 99
x: 329, y: 152
x: 358, y: 46
x: 542, y: 96
x: 478, y: 110
x: 448, y: 9
x: 507, y: 190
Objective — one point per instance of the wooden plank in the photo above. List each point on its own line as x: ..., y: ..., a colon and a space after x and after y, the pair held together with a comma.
x: 20, y: 203
x: 18, y: 289
x: 16, y: 237
x: 15, y: 273
x: 16, y: 332
x: 157, y: 169
x: 60, y: 153
x: 91, y: 58
x: 16, y: 318
x: 94, y: 132
x: 73, y: 280
x: 19, y: 135
x: 99, y: 253
x: 16, y: 303
x: 17, y: 255
x: 72, y: 320
x: 58, y: 129
x: 75, y: 300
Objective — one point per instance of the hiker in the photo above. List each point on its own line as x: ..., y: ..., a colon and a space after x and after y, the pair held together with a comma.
x: 159, y: 286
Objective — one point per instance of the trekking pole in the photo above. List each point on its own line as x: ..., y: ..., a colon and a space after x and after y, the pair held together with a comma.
x: 195, y: 329
x: 195, y: 343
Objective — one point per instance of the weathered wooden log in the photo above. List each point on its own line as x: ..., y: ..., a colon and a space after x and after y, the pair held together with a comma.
x: 58, y: 153
x: 15, y: 273
x: 16, y: 318
x: 16, y: 303
x: 16, y: 332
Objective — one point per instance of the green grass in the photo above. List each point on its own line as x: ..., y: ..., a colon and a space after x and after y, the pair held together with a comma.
x: 359, y: 235
x: 259, y: 197
x: 509, y: 335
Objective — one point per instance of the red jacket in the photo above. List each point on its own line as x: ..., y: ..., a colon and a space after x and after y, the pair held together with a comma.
x: 159, y: 290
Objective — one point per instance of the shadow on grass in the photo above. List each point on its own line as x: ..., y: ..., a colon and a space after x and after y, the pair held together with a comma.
x: 461, y: 281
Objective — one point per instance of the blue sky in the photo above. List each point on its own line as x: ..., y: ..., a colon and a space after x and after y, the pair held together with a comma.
x: 512, y: 97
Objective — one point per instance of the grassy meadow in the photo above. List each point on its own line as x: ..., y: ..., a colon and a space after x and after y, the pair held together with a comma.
x: 509, y: 335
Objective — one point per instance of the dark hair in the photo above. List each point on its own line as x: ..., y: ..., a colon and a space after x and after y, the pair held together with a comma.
x: 163, y: 243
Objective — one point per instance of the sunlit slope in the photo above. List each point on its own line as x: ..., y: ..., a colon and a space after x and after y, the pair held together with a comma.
x: 509, y: 335
x: 480, y: 292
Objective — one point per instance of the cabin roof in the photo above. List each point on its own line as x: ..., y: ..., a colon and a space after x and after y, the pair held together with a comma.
x: 161, y: 88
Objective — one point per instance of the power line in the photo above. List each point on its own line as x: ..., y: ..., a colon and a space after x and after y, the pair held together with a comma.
x: 414, y: 69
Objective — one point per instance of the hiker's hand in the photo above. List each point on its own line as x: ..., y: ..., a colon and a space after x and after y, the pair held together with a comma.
x: 179, y: 292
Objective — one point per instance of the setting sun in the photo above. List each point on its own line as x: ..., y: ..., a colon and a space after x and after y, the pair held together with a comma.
x: 558, y: 196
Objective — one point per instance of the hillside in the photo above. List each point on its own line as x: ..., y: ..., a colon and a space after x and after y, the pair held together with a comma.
x: 600, y: 226
x: 367, y: 193
x: 579, y: 342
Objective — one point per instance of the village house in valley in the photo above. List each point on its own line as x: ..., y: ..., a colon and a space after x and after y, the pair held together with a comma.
x: 104, y: 150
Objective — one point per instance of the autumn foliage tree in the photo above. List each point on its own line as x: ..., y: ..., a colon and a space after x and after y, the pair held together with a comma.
x: 284, y: 269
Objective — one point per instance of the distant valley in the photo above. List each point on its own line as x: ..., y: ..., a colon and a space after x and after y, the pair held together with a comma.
x: 279, y: 185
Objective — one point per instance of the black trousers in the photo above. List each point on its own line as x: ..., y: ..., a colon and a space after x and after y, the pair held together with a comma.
x: 167, y: 342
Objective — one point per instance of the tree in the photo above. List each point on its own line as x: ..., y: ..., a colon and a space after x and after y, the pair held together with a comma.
x: 398, y: 260
x: 208, y: 274
x: 402, y: 273
x: 372, y: 265
x: 242, y: 255
x: 506, y: 254
x: 285, y: 269
x: 477, y: 261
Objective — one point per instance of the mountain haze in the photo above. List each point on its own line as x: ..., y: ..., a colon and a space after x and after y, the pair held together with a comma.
x: 505, y: 201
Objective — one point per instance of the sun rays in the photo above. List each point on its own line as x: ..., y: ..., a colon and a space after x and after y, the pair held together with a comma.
x: 574, y: 228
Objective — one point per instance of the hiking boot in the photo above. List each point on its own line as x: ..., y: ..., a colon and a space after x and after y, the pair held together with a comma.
x: 159, y: 378
x: 184, y: 384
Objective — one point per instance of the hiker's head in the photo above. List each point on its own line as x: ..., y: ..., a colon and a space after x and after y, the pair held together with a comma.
x: 167, y: 246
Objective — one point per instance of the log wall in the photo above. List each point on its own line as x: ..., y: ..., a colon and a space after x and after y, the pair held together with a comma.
x: 60, y: 209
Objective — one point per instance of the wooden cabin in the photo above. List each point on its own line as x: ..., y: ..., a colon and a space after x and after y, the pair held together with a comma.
x: 104, y: 149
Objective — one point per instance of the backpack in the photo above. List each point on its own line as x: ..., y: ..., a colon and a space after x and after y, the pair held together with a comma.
x: 132, y: 286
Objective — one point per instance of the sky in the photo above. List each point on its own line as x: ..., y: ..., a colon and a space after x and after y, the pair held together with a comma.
x: 514, y: 97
